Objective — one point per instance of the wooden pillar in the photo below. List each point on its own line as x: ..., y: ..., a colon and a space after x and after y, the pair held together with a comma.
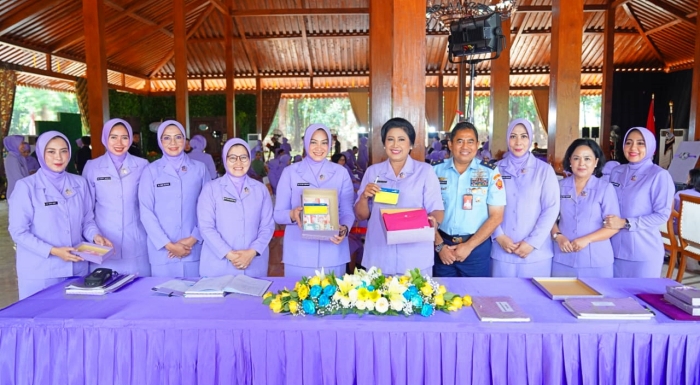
x: 564, y: 78
x: 694, y: 131
x: 441, y: 106
x: 96, y: 63
x: 182, y: 112
x: 231, y: 131
x: 608, y: 71
x: 500, y: 96
x: 397, y: 69
x: 259, y: 107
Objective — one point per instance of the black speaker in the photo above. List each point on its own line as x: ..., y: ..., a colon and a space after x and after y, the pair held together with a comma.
x: 595, y: 132
x: 585, y: 132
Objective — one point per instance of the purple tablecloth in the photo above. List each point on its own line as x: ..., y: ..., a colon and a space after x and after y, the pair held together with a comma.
x: 136, y: 337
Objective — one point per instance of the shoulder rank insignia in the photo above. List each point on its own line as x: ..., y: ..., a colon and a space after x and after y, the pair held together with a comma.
x: 489, y: 164
x: 436, y: 162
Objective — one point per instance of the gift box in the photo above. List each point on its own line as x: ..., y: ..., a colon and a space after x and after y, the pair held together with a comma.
x: 406, y: 226
x: 93, y: 253
x: 320, y: 214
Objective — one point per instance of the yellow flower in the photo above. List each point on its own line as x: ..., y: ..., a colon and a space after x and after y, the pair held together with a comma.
x: 315, y: 280
x: 362, y: 294
x: 439, y: 300
x: 344, y: 286
x: 267, y: 295
x: 285, y: 293
x: 293, y: 307
x: 303, y: 292
x: 404, y: 279
x: 426, y: 289
x: 451, y: 308
x: 276, y: 305
x: 374, y: 295
x: 467, y: 300
x: 396, y: 297
x: 442, y: 289
x: 325, y: 282
x: 457, y: 302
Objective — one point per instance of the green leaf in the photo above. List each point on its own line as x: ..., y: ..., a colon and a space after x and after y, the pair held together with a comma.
x: 267, y: 300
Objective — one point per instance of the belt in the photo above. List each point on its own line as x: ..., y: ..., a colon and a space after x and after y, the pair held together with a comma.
x: 456, y: 239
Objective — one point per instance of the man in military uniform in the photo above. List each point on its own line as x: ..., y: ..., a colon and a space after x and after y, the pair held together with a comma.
x: 474, y: 198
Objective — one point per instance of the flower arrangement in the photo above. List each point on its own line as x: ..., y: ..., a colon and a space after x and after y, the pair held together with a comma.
x: 366, y: 292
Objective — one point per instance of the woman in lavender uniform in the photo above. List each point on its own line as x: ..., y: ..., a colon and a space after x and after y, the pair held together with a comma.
x: 113, y: 181
x: 522, y: 246
x: 15, y: 164
x: 645, y: 192
x: 235, y: 219
x: 582, y: 245
x: 32, y: 163
x: 198, y: 144
x: 168, y: 193
x: 418, y: 187
x: 50, y: 213
x: 607, y: 169
x: 302, y: 256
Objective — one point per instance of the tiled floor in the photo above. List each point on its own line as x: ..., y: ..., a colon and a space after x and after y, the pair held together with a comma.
x: 8, y: 276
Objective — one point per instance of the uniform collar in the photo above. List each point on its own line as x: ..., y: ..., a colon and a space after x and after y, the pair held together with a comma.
x: 327, y: 170
x: 228, y: 186
x: 70, y: 188
x: 512, y: 169
x: 407, y: 170
x: 168, y: 169
x: 473, y: 165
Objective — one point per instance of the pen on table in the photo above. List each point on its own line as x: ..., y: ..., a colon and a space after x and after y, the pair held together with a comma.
x: 651, y: 311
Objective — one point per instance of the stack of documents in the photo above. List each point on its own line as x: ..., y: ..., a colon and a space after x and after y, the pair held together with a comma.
x: 607, y: 309
x: 686, y: 298
x: 498, y: 309
x: 213, y: 287
x: 115, y: 283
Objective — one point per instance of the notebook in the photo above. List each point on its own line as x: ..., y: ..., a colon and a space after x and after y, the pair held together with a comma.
x: 219, y: 286
x: 607, y: 308
x: 406, y: 220
x: 498, y: 309
x: 687, y: 294
x: 115, y: 283
x: 174, y: 287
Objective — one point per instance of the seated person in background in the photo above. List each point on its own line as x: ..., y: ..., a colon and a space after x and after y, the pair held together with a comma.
x: 692, y: 188
x: 83, y: 155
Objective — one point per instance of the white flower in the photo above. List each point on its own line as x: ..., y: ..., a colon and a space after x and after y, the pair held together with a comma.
x: 321, y: 273
x: 337, y: 296
x: 395, y: 305
x: 345, y: 302
x: 369, y: 305
x: 382, y: 305
x: 360, y: 305
x: 353, y: 295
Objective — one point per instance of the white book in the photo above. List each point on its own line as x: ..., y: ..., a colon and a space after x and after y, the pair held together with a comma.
x: 219, y: 286
x: 672, y: 299
x: 244, y: 284
x: 111, y: 286
x: 208, y: 287
x: 174, y: 287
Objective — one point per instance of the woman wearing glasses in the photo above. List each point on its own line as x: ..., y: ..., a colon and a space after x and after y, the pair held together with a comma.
x: 303, y: 256
x: 168, y: 193
x: 235, y: 219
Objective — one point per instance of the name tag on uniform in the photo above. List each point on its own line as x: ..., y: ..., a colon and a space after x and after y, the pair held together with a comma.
x: 565, y: 196
x: 615, y: 184
x: 381, y: 181
x: 163, y: 184
x: 104, y: 178
x: 505, y: 176
x: 50, y: 203
x: 443, y: 180
x: 227, y: 199
x: 467, y: 201
x: 303, y: 184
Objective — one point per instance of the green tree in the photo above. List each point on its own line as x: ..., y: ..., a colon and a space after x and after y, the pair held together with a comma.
x: 39, y: 104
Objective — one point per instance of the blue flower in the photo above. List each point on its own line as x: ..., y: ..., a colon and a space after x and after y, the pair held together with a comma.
x: 315, y: 291
x: 370, y: 288
x: 309, y: 307
x: 324, y: 300
x: 329, y: 290
x: 417, y: 301
x: 410, y: 293
x: 426, y: 311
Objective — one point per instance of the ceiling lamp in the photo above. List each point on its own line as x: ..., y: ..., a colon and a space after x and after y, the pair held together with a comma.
x: 449, y: 11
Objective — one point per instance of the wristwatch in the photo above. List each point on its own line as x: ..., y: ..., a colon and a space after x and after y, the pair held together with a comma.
x: 555, y: 235
x: 628, y: 225
x: 439, y: 247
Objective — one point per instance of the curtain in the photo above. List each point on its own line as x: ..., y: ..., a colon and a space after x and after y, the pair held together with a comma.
x: 81, y: 95
x: 359, y: 100
x: 450, y: 108
x: 8, y: 85
x: 432, y: 114
x: 271, y: 100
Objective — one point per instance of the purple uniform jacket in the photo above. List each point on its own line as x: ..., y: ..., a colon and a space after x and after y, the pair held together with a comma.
x: 582, y: 215
x: 677, y: 198
x: 116, y: 203
x: 168, y: 205
x: 307, y: 252
x: 418, y: 187
x: 15, y: 169
x: 646, y: 202
x: 198, y: 144
x: 532, y: 194
x: 41, y: 217
x: 229, y: 221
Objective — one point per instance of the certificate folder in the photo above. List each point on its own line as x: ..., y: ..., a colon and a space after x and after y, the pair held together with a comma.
x: 498, y: 309
x: 607, y: 308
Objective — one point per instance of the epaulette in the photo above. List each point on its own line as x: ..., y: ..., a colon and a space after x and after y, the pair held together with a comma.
x: 436, y: 162
x: 489, y: 164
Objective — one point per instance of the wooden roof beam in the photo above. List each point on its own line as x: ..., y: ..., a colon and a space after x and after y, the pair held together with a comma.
x: 663, y: 26
x: 132, y: 14
x: 677, y: 13
x: 616, y: 3
x: 630, y: 13
x: 24, y: 15
x: 299, y: 11
x: 548, y: 8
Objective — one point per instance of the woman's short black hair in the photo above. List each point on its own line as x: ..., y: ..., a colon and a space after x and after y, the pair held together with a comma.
x: 597, y: 152
x: 694, y: 179
x: 86, y: 140
x: 463, y: 126
x: 336, y: 157
x: 401, y: 123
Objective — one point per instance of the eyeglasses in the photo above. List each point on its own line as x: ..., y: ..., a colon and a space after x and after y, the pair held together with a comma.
x: 242, y: 158
x: 168, y: 138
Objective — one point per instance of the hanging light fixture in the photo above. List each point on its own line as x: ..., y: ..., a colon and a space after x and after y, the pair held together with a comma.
x: 448, y: 11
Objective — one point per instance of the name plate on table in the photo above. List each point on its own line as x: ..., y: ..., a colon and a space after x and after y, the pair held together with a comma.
x: 93, y: 253
x: 563, y: 288
x: 387, y: 196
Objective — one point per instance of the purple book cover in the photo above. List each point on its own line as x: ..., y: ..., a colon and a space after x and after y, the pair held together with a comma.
x: 687, y: 294
x: 621, y: 306
x: 496, y: 309
x: 660, y: 304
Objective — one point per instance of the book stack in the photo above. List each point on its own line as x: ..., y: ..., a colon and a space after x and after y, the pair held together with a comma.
x: 115, y: 283
x: 607, y: 309
x: 686, y: 298
x: 498, y: 309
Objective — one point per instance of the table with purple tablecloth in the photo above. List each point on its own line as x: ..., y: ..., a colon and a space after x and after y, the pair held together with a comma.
x: 137, y: 337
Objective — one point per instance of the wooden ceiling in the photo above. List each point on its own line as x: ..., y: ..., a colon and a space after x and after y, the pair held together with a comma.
x: 313, y: 44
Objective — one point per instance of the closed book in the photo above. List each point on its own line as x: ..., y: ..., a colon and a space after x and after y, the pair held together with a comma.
x: 607, y: 308
x: 406, y: 220
x: 660, y: 304
x: 688, y: 294
x: 498, y: 309
x: 115, y: 283
x: 692, y: 310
